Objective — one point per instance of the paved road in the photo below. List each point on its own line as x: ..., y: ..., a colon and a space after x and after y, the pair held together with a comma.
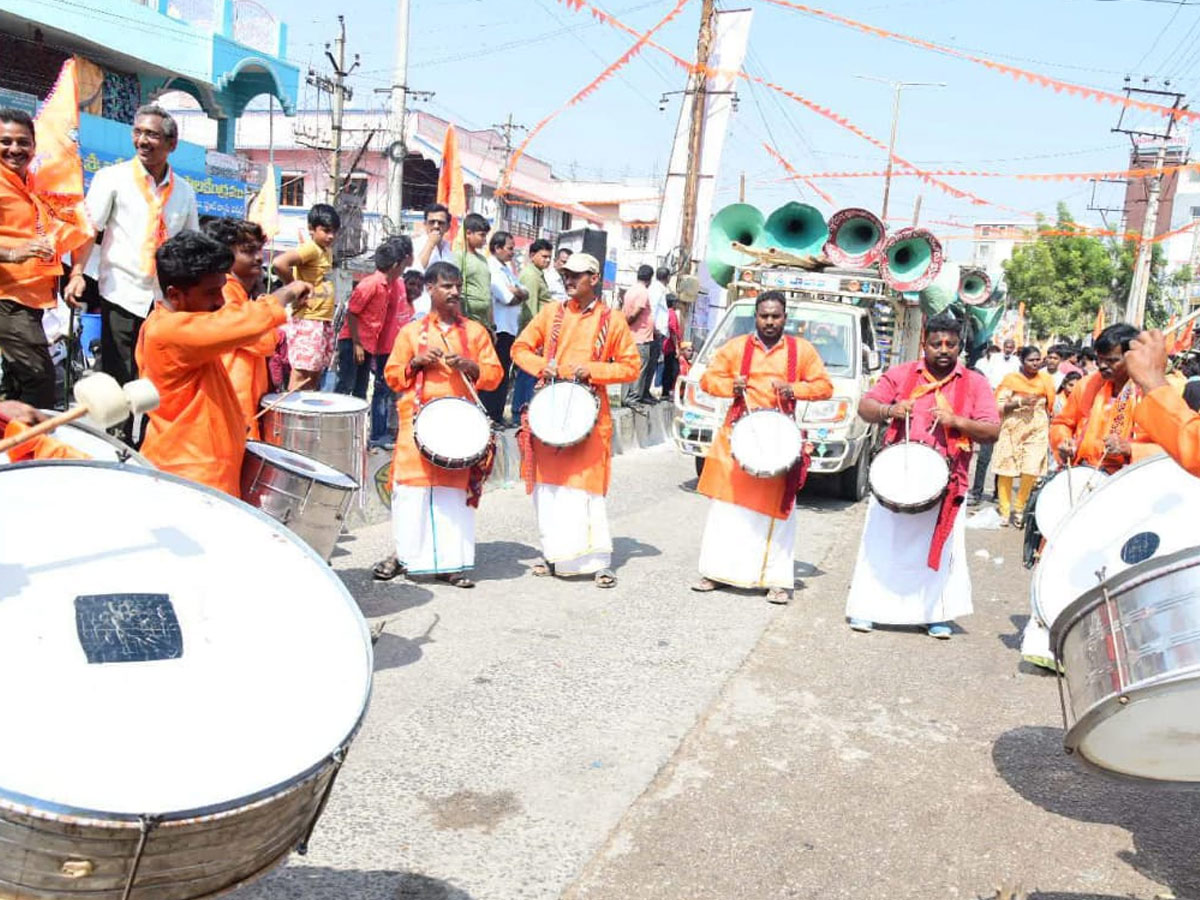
x: 535, y: 738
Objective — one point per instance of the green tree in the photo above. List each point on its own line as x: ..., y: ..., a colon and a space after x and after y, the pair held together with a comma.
x: 1061, y: 278
x: 1158, y: 299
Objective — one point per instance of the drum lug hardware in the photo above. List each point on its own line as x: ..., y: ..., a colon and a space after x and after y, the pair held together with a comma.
x: 337, y: 758
x: 147, y: 824
x: 77, y: 868
x: 286, y: 517
x: 1123, y: 699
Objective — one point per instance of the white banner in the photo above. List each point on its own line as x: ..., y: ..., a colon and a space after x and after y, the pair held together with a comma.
x: 728, y: 51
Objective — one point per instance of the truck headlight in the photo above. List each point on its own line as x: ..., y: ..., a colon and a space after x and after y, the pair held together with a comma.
x: 837, y: 409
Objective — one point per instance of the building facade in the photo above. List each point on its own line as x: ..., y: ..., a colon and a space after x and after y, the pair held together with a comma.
x: 994, y: 242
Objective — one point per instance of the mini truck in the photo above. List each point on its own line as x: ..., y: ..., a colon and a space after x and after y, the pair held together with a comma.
x: 847, y: 315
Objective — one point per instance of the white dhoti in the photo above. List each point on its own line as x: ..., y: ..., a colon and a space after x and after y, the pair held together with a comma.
x: 893, y: 583
x: 573, y: 525
x: 434, y: 529
x: 748, y: 549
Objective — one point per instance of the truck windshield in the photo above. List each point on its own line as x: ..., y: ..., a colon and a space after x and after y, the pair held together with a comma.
x: 832, y: 332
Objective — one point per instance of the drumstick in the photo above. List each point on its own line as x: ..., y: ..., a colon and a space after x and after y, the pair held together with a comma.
x: 43, y: 427
x: 1190, y: 318
x: 276, y: 403
x: 466, y: 381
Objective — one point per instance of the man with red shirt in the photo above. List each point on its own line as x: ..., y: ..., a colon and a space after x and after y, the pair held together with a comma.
x: 378, y: 308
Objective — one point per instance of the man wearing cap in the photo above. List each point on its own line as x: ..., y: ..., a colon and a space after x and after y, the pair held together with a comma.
x: 580, y: 340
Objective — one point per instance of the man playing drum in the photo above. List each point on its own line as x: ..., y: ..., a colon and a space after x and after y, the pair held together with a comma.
x: 433, y: 508
x: 1163, y: 415
x: 583, y: 340
x: 1098, y: 426
x: 905, y: 574
x: 750, y: 535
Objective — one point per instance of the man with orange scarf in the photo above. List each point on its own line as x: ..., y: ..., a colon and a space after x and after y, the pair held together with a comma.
x: 1098, y: 426
x: 1163, y: 415
x: 433, y: 508
x: 138, y: 205
x: 750, y: 536
x: 905, y: 573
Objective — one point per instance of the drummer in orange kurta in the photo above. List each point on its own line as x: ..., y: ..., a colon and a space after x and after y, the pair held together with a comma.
x: 1098, y: 426
x: 1163, y: 415
x: 580, y: 339
x: 750, y: 534
x: 16, y: 418
x: 433, y: 508
x: 199, y: 430
x: 247, y: 365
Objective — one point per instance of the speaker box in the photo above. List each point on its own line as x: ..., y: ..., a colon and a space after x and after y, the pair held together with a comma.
x: 587, y: 240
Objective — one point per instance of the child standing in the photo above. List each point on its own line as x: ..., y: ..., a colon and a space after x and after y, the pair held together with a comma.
x: 310, y: 335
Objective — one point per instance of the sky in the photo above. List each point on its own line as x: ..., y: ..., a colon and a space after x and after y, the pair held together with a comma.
x: 486, y: 59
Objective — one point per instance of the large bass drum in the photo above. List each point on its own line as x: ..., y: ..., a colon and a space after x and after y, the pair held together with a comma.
x: 328, y: 427
x: 181, y: 687
x: 99, y: 445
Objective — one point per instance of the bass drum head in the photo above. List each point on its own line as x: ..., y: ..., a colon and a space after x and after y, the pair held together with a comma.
x: 1141, y: 511
x: 452, y: 428
x: 908, y: 475
x: 186, y: 658
x: 1153, y: 735
x: 563, y: 413
x: 765, y: 442
x: 1062, y: 492
x: 299, y: 464
x: 315, y: 403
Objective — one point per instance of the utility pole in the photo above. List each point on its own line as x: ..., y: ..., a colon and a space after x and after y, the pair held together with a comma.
x: 742, y: 188
x: 337, y: 89
x: 917, y: 210
x: 506, y: 128
x: 399, y: 147
x: 698, y: 89
x: 897, y: 87
x: 1139, y: 284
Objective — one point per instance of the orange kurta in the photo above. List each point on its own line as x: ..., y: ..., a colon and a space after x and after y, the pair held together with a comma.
x: 30, y: 283
x: 247, y: 366
x: 409, y: 467
x: 198, y: 430
x: 587, y: 465
x: 1170, y: 422
x: 1077, y: 420
x: 43, y: 446
x: 722, y: 478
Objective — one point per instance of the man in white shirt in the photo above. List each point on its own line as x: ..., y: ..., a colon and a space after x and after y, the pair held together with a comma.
x: 433, y: 247
x: 507, y: 299
x: 658, y: 305
x: 554, y: 275
x: 138, y: 205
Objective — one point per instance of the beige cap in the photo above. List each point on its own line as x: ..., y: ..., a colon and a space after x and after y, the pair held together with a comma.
x: 582, y: 262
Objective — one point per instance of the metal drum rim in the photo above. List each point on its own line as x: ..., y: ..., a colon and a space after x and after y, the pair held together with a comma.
x: 104, y: 436
x: 20, y: 803
x: 270, y: 406
x: 316, y: 477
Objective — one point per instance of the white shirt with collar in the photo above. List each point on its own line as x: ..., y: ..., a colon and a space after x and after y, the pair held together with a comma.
x: 443, y: 252
x: 506, y: 318
x: 554, y: 281
x: 658, y: 305
x: 116, y: 206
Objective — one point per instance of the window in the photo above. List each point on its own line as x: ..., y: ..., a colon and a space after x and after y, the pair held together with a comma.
x: 356, y: 185
x: 1195, y: 213
x: 291, y: 189
x: 831, y: 333
x: 639, y: 237
x: 983, y: 252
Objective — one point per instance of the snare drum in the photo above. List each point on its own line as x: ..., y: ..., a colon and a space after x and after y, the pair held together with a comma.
x: 307, y: 496
x: 765, y: 442
x: 909, y: 477
x: 563, y: 413
x: 328, y: 427
x: 1130, y: 649
x: 1062, y: 492
x: 1147, y: 509
x: 452, y: 433
x: 190, y: 677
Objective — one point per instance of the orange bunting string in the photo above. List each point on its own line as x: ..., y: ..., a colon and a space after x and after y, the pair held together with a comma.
x: 787, y: 167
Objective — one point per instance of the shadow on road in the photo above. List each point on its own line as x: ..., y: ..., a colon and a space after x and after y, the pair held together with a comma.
x: 1013, y: 641
x: 393, y: 651
x: 502, y: 560
x: 1163, y: 820
x: 627, y: 548
x: 383, y: 598
x: 319, y: 883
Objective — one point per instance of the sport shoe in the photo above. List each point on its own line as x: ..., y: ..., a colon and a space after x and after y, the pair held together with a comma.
x: 939, y: 630
x: 863, y: 625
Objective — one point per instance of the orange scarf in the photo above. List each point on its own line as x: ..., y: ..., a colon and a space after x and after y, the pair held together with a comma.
x: 1040, y: 384
x: 1108, y: 416
x: 954, y: 440
x: 156, y: 222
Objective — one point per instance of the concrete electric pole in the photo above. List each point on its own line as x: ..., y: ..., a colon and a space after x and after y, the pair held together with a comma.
x: 698, y: 84
x: 340, y: 93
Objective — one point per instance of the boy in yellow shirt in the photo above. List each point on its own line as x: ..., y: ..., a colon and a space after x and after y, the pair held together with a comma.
x: 310, y: 334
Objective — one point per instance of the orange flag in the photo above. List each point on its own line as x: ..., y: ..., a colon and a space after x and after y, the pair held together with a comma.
x: 57, y: 169
x: 450, y: 190
x: 1185, y: 340
x: 264, y: 209
x: 1099, y: 324
x: 1172, y: 337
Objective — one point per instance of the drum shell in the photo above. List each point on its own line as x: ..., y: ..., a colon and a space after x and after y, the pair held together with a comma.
x: 185, y: 858
x: 1135, y: 640
x: 899, y: 506
x: 314, y: 510
x: 336, y: 438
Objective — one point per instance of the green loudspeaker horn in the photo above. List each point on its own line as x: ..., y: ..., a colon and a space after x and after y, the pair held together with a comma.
x: 856, y: 238
x: 912, y: 258
x: 974, y: 286
x: 797, y: 228
x: 738, y: 222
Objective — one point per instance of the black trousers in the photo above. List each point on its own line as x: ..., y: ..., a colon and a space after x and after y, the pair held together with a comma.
x: 119, y: 330
x: 28, y: 368
x: 670, y: 374
x: 493, y: 401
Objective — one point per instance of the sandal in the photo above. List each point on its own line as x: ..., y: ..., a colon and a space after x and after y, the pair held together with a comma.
x: 779, y: 596
x: 704, y: 585
x: 605, y: 578
x: 456, y: 579
x: 387, y: 569
x: 542, y: 569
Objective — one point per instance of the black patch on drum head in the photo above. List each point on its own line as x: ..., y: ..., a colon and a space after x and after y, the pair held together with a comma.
x: 1139, y: 548
x: 115, y: 628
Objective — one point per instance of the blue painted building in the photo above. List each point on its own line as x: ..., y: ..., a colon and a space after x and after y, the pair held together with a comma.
x: 224, y: 53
